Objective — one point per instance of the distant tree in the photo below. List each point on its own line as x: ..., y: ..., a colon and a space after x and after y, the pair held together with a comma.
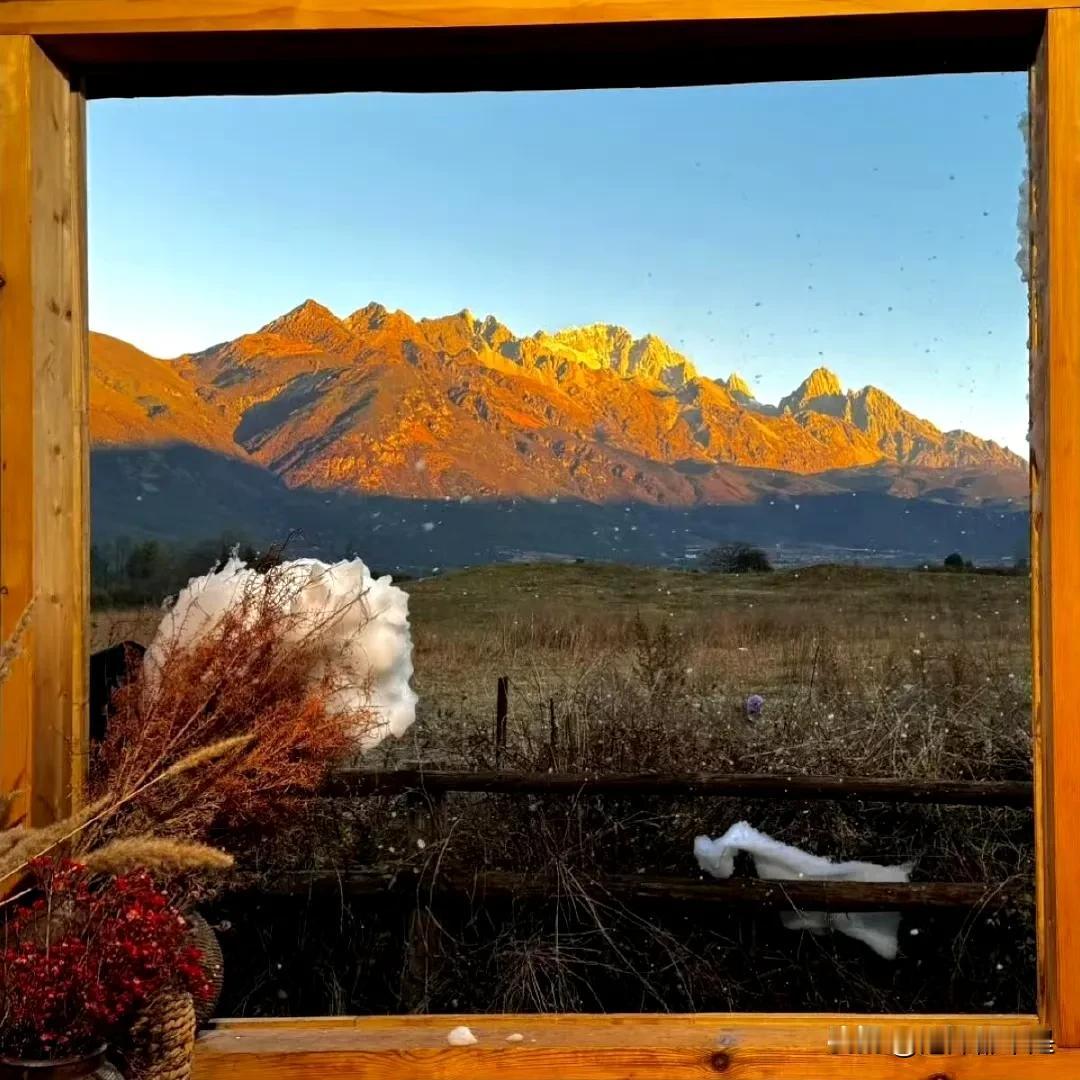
x: 955, y: 561
x: 122, y: 546
x: 738, y: 557
x: 146, y: 561
x: 198, y: 559
x: 99, y: 567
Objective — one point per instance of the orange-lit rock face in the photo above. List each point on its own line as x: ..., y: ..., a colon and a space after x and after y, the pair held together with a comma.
x: 457, y: 406
x: 138, y: 400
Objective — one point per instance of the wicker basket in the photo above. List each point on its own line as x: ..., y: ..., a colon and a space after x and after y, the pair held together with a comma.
x: 203, y: 936
x: 163, y: 1036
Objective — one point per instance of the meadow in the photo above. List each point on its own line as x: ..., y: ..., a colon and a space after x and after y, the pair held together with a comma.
x: 863, y: 672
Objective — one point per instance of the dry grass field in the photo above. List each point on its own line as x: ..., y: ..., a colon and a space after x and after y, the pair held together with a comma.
x: 937, y: 665
x: 863, y: 671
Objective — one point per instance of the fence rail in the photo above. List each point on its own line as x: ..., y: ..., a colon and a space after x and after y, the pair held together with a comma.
x: 364, y: 782
x: 433, y: 785
x: 752, y: 893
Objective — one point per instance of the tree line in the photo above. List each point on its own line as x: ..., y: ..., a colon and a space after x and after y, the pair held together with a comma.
x: 740, y: 557
x: 125, y: 572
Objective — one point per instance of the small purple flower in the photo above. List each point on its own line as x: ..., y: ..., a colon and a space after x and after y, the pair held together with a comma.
x: 754, y: 704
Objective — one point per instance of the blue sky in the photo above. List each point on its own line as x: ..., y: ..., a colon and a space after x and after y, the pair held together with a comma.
x: 866, y: 225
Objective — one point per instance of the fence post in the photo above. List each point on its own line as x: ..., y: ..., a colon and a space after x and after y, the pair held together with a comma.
x: 553, y: 734
x: 502, y: 709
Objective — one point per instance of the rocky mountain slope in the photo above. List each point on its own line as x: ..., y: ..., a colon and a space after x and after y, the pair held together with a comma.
x: 381, y: 403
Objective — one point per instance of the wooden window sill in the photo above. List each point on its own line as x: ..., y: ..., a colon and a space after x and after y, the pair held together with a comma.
x: 615, y: 1047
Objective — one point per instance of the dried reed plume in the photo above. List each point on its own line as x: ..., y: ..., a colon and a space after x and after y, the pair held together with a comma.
x: 19, y: 846
x: 31, y: 843
x: 203, y: 755
x: 162, y: 857
x: 257, y: 683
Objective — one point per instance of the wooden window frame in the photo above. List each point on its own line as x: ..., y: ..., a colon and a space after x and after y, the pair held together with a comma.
x: 54, y: 54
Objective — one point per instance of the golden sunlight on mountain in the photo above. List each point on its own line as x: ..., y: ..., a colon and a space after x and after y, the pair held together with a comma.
x: 379, y: 402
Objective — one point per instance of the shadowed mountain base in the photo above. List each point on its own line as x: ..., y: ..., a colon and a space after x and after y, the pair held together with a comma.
x: 184, y: 493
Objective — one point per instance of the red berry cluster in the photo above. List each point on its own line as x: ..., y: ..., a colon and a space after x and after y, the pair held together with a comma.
x: 83, y: 954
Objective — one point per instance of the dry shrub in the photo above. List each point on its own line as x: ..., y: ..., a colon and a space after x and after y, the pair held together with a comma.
x: 261, y: 675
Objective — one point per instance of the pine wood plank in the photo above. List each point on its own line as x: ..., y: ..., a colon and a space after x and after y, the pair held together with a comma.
x: 608, y: 1029
x: 158, y: 16
x: 1056, y: 517
x: 756, y: 1047
x: 43, y: 342
x: 77, y: 519
x: 16, y: 412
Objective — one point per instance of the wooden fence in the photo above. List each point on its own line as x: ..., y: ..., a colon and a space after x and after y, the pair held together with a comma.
x: 426, y: 791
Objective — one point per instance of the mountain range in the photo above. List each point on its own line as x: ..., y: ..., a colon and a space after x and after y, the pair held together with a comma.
x: 380, y: 405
